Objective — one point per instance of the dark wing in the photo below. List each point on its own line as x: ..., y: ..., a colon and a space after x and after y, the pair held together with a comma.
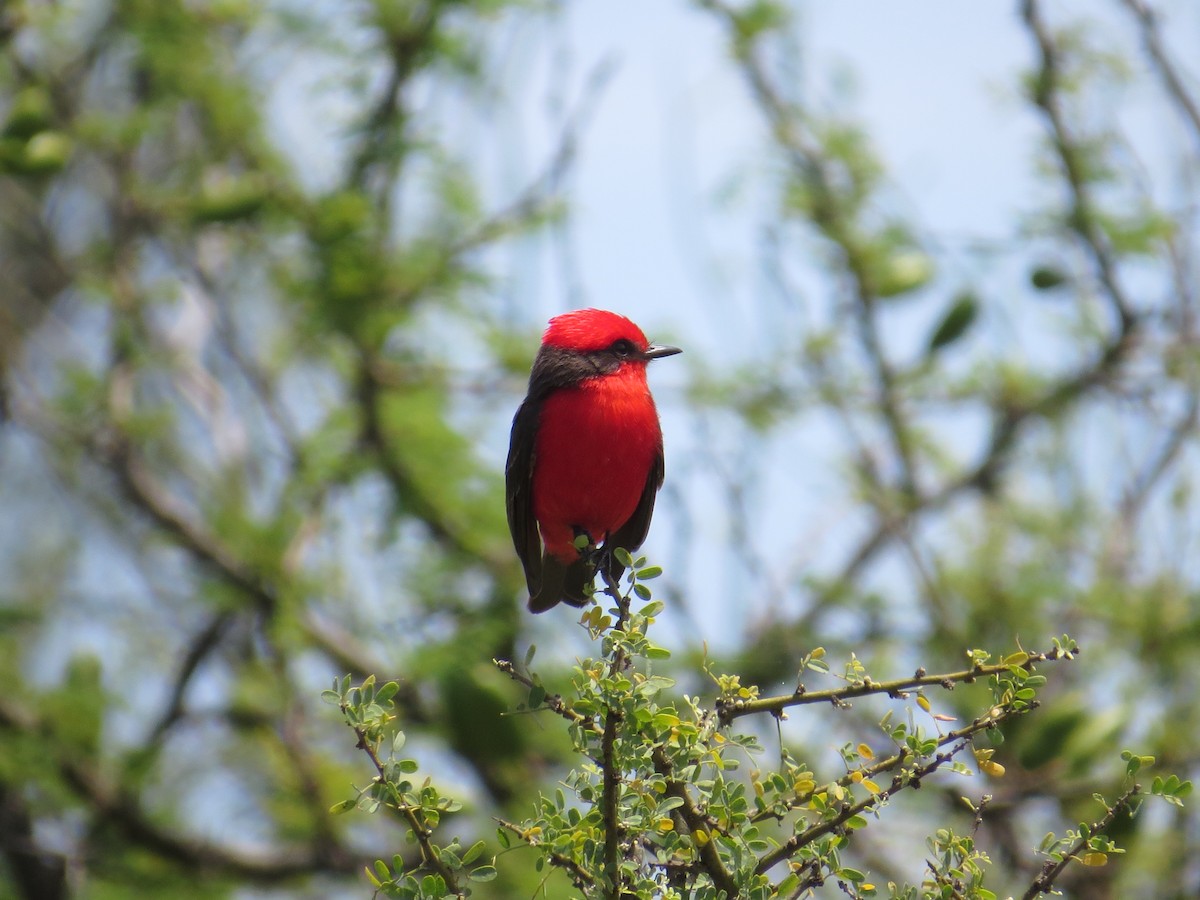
x: 518, y: 478
x: 633, y: 533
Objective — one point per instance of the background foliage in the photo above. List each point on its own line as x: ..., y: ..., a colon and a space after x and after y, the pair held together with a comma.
x: 252, y: 416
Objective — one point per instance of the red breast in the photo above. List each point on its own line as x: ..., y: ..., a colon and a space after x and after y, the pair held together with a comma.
x: 596, y: 442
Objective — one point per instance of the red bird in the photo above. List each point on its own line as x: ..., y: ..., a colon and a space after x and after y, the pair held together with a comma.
x: 586, y: 452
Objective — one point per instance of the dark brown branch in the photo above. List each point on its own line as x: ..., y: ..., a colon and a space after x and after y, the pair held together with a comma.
x: 36, y: 873
x: 580, y: 876
x: 1044, y: 883
x: 611, y: 773
x: 694, y: 823
x: 203, y: 644
x: 960, y: 738
x: 608, y: 804
x: 554, y: 702
x: 411, y: 815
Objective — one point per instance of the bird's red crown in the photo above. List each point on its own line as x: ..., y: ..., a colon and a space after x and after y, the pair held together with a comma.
x: 591, y: 329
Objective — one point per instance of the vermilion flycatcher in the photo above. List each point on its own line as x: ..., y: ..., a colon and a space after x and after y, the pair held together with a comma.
x: 586, y: 452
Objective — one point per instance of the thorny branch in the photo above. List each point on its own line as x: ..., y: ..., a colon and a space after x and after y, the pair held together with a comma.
x: 850, y: 810
x: 734, y: 709
x: 1044, y: 883
x: 553, y: 702
x: 412, y: 815
x: 695, y: 822
x: 949, y: 745
x: 897, y: 760
x: 580, y: 876
x: 609, y: 803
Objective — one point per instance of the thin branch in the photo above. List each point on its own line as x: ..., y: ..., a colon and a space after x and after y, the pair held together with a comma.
x: 156, y: 501
x: 1083, y: 219
x: 811, y: 166
x: 608, y: 741
x: 553, y: 702
x: 1044, y: 883
x: 577, y: 873
x: 532, y: 201
x: 1156, y: 468
x: 203, y: 644
x: 1167, y: 70
x: 688, y: 817
x: 385, y: 126
x: 416, y: 823
x: 899, y: 783
x: 728, y: 710
x: 990, y: 719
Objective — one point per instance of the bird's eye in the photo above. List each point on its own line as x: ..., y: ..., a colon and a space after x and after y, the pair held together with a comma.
x: 623, y: 347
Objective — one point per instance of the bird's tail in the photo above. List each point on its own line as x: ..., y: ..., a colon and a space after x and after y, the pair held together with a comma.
x: 562, y: 582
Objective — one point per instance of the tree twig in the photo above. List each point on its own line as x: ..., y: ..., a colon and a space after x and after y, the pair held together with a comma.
x: 430, y: 857
x: 1167, y: 70
x: 610, y: 798
x: 577, y: 873
x: 728, y: 710
x: 696, y: 824
x: 1044, y: 883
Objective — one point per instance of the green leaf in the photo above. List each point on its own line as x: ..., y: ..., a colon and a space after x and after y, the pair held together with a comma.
x: 903, y: 271
x: 387, y: 692
x: 483, y: 873
x: 1047, y: 278
x: 955, y: 322
x: 474, y: 852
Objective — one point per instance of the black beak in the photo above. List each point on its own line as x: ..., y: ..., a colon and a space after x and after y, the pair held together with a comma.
x: 657, y: 351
